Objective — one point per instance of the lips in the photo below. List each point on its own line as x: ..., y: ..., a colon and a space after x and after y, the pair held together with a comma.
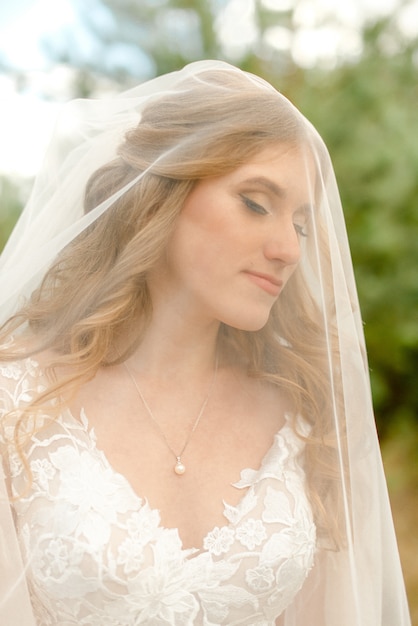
x: 267, y: 282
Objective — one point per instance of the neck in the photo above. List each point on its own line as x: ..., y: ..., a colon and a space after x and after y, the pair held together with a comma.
x: 179, y: 348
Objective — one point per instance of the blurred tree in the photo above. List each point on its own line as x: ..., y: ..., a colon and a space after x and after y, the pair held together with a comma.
x: 138, y: 40
x: 367, y: 115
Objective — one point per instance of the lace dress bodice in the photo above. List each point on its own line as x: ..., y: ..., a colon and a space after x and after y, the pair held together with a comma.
x: 98, y: 555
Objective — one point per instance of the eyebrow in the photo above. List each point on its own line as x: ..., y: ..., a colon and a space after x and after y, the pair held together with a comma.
x: 268, y: 184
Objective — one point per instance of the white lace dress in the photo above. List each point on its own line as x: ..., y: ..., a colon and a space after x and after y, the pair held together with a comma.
x: 98, y: 555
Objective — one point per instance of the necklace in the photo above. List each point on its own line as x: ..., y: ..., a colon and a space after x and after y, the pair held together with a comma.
x: 179, y: 467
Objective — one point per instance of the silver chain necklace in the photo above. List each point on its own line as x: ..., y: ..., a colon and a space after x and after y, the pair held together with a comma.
x: 179, y: 467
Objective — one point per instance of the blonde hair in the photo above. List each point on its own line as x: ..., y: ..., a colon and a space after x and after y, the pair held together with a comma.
x: 204, y: 130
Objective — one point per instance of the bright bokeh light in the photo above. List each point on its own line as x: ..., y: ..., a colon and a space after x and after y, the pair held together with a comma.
x: 236, y: 27
x: 26, y: 124
x: 26, y: 24
x: 27, y: 118
x: 279, y: 38
x: 278, y: 5
x: 408, y: 20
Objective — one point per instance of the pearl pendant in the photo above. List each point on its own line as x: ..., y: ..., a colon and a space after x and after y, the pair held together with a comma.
x: 179, y: 468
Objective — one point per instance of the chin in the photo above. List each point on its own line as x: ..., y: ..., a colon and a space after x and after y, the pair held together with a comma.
x: 249, y: 324
x: 253, y: 327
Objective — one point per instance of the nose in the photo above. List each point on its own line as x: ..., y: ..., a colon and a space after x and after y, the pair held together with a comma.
x: 283, y: 244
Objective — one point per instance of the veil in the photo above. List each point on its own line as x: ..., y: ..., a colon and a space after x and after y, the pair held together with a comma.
x: 356, y: 579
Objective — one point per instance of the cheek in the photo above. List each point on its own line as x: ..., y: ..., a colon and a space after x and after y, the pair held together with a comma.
x: 291, y: 270
x: 201, y: 243
x: 189, y: 256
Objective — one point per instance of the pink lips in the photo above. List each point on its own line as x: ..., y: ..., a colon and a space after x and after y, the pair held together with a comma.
x: 270, y: 284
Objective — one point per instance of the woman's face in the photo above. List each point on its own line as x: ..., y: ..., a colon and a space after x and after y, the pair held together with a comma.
x: 236, y: 241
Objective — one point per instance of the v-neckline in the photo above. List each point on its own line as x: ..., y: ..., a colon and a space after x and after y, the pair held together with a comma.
x: 191, y: 552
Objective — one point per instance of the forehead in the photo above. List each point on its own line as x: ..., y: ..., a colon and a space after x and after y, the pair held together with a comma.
x: 281, y: 165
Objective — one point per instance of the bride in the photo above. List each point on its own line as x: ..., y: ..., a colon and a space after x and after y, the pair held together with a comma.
x: 186, y: 426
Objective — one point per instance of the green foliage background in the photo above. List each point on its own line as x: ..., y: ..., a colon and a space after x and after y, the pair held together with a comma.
x: 367, y: 115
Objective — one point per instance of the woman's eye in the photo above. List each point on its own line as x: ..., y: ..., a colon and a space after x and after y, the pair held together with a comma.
x: 254, y: 206
x: 300, y: 230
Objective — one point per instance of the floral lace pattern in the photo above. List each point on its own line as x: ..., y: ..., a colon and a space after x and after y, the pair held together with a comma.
x: 99, y: 556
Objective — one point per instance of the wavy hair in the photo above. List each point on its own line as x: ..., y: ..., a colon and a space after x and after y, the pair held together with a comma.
x: 211, y: 125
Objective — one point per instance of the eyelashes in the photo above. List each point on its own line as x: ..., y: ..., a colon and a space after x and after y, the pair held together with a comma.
x: 300, y: 230
x: 254, y: 207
